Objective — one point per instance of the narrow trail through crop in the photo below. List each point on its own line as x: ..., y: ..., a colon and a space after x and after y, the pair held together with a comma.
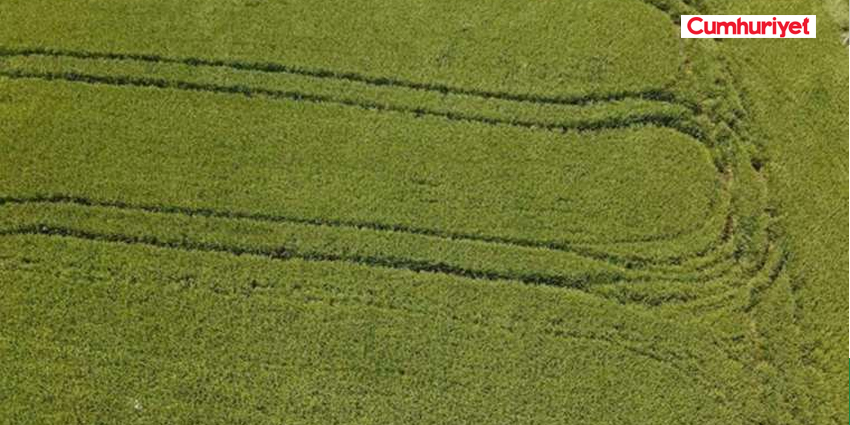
x: 282, y: 253
x: 629, y: 273
x: 269, y: 67
x: 658, y: 119
x: 583, y: 251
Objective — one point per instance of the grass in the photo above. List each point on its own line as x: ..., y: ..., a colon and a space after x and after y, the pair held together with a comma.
x: 266, y: 212
x: 242, y: 146
x: 353, y: 336
x: 498, y: 47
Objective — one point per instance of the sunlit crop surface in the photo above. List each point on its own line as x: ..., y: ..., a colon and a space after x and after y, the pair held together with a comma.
x: 419, y: 212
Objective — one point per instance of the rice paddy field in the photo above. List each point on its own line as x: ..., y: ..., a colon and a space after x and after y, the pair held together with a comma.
x: 420, y: 212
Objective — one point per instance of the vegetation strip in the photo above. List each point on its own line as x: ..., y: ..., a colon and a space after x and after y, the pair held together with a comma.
x: 648, y: 119
x: 561, y: 272
x: 283, y: 253
x: 652, y: 94
x: 257, y: 217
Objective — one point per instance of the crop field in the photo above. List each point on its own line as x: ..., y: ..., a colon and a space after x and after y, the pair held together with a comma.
x: 420, y: 212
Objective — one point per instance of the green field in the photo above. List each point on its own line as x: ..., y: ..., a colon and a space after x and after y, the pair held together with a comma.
x: 420, y: 212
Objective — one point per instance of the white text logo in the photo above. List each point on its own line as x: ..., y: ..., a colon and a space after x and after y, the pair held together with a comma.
x: 748, y: 26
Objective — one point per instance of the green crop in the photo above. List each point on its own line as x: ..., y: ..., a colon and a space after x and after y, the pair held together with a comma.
x: 267, y: 212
